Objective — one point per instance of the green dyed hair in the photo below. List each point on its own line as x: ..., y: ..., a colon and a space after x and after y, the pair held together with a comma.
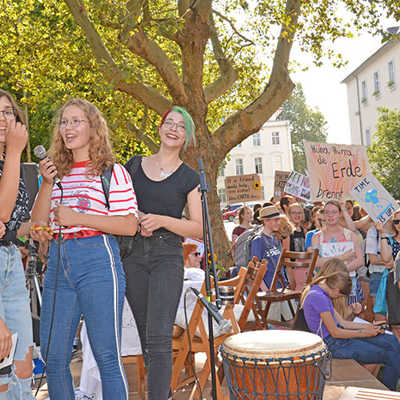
x: 189, y: 125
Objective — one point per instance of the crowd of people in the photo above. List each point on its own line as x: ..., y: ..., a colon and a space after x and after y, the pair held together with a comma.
x: 76, y: 222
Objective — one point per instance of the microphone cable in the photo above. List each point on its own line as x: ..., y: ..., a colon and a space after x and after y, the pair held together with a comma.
x: 54, y: 297
x: 192, y: 364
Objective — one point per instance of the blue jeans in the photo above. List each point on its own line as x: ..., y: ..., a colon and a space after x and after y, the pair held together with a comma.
x: 154, y: 281
x: 15, y: 312
x: 90, y: 282
x: 381, y: 349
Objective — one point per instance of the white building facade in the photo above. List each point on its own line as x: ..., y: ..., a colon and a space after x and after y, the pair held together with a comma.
x: 375, y: 83
x: 264, y: 152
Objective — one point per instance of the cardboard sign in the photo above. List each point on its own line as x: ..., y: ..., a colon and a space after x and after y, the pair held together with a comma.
x: 242, y: 188
x: 334, y: 169
x: 298, y: 185
x: 375, y: 199
x: 281, y: 178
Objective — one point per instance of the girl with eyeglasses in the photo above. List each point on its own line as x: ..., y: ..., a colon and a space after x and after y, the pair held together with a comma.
x: 390, y: 248
x: 84, y: 271
x: 164, y: 185
x: 15, y: 314
x: 364, y: 342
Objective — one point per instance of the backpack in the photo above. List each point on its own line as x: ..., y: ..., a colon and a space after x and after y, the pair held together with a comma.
x: 243, y: 246
x: 125, y: 242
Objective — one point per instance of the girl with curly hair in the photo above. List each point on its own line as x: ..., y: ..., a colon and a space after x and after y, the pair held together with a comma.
x: 84, y: 272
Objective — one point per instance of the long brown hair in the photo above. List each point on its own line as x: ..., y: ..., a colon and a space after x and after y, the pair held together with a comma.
x: 100, y: 151
x: 19, y: 114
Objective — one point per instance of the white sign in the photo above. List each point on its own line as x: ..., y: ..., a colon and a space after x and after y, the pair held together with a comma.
x: 298, y: 185
x: 375, y: 199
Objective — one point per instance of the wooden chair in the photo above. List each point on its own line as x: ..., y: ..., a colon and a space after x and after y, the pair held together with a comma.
x: 284, y: 294
x: 254, y: 276
x: 199, y: 340
x: 141, y: 371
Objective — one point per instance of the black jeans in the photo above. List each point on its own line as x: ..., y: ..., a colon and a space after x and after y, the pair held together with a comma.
x: 154, y: 281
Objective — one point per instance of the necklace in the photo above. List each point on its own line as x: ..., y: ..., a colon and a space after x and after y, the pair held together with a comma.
x: 164, y: 174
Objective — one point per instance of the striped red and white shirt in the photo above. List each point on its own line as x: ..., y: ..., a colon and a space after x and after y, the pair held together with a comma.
x: 85, y: 195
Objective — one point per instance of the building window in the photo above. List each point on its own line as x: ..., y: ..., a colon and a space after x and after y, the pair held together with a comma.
x: 257, y: 139
x: 368, y: 139
x: 377, y: 87
x: 222, y: 195
x: 239, y: 166
x: 391, y: 73
x: 221, y: 171
x: 275, y: 137
x: 258, y: 165
x: 276, y: 163
x: 363, y: 91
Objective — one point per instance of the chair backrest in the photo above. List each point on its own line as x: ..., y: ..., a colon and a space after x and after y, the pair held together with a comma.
x: 254, y: 276
x: 294, y: 259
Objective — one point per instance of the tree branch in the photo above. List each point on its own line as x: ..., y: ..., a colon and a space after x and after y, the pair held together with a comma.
x: 251, y: 119
x: 228, y: 74
x: 142, y: 137
x: 150, y: 51
x: 147, y: 95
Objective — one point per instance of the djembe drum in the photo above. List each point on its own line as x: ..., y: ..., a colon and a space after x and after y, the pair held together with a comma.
x: 275, y: 365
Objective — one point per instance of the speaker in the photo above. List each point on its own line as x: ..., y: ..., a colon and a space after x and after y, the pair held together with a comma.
x: 30, y: 175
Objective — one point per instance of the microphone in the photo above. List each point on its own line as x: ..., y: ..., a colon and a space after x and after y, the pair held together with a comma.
x: 40, y: 152
x: 224, y: 325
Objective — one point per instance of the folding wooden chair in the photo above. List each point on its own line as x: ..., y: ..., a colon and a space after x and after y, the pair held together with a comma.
x: 199, y: 341
x: 284, y: 294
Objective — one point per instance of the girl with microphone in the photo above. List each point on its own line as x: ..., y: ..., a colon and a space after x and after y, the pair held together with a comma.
x: 15, y: 314
x: 84, y: 272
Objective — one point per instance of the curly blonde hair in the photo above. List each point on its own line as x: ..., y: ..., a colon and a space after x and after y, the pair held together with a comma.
x: 100, y: 152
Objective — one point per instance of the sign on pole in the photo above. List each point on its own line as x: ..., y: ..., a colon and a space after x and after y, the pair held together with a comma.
x: 298, y: 185
x: 281, y: 178
x: 374, y: 199
x: 243, y: 188
x: 334, y: 169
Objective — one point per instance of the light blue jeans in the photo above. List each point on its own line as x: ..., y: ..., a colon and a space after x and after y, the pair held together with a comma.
x: 15, y: 312
x: 90, y: 282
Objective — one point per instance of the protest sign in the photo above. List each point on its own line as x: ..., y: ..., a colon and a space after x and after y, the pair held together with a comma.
x: 281, y: 178
x: 334, y: 169
x: 242, y: 188
x: 298, y: 185
x: 374, y: 199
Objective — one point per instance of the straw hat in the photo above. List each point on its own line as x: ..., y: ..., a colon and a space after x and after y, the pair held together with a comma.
x: 269, y: 212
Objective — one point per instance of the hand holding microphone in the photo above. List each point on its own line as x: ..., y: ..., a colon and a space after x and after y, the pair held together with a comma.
x: 47, y: 168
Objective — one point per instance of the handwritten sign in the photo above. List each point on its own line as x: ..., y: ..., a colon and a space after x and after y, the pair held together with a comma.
x: 375, y: 199
x: 334, y: 169
x: 298, y: 185
x: 281, y: 178
x: 241, y: 188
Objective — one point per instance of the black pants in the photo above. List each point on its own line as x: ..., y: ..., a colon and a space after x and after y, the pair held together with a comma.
x: 154, y: 281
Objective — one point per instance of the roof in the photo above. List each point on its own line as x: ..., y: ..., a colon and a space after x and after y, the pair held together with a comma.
x: 390, y: 43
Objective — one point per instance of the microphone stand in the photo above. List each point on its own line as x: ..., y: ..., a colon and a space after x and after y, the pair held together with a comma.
x: 209, y: 249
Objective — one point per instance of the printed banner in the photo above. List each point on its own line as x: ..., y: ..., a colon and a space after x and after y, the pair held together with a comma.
x: 375, y: 199
x: 298, y: 185
x: 243, y: 188
x: 334, y: 169
x: 281, y: 178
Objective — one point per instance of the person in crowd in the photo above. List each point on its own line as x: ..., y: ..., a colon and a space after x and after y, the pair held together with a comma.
x: 84, y: 271
x: 334, y: 241
x: 314, y: 213
x: 245, y: 216
x: 285, y: 202
x: 256, y: 210
x: 349, y: 206
x: 15, y: 315
x: 155, y: 268
x: 266, y: 245
x: 364, y: 342
x: 319, y: 223
x: 192, y: 260
x: 390, y: 248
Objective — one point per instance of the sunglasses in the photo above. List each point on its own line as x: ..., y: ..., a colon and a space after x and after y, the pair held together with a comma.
x: 197, y: 254
x: 396, y: 221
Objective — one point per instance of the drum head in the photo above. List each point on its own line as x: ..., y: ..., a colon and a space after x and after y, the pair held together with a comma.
x: 273, y: 344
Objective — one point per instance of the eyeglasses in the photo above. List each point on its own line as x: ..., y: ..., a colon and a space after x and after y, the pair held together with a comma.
x: 8, y: 114
x: 396, y: 221
x: 74, y: 123
x: 173, y: 125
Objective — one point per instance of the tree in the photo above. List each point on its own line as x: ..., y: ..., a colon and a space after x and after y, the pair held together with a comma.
x: 305, y: 124
x: 135, y: 58
x: 383, y: 154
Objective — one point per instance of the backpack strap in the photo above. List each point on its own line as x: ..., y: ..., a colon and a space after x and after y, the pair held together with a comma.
x: 106, y: 182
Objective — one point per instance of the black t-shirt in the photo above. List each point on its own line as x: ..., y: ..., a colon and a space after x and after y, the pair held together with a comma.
x: 297, y: 240
x: 21, y: 209
x: 166, y: 197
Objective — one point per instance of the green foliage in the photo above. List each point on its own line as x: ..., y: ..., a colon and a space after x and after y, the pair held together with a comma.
x: 305, y: 124
x: 383, y: 154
